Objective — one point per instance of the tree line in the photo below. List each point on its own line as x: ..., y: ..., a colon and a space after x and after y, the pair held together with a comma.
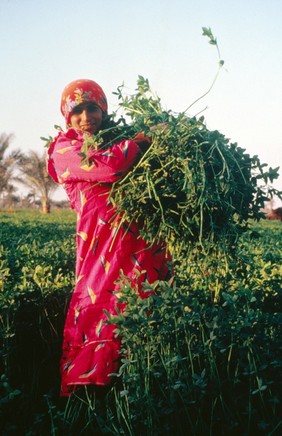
x: 26, y: 169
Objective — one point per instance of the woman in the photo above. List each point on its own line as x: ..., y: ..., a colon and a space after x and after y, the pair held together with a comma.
x: 104, y: 247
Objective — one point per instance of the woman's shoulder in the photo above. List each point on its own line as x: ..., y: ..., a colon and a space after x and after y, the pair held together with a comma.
x: 70, y: 136
x: 65, y: 141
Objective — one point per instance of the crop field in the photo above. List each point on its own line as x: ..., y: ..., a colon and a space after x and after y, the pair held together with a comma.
x: 202, y: 356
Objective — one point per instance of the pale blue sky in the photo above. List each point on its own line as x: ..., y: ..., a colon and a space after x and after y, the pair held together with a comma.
x: 44, y: 44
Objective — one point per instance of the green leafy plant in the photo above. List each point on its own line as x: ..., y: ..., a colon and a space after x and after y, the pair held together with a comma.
x: 191, y: 186
x: 188, y: 364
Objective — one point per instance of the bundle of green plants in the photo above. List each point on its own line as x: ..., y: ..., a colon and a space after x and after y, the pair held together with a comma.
x: 192, y: 186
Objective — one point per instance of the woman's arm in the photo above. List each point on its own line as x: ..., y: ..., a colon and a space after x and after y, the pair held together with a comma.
x: 106, y: 166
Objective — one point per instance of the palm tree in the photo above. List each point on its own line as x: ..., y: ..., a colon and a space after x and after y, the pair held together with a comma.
x: 7, y: 164
x: 33, y: 175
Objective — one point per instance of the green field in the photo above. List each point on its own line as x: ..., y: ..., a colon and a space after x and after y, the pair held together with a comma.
x: 202, y: 357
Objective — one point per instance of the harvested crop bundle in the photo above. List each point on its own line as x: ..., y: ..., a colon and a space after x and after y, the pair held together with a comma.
x: 191, y: 187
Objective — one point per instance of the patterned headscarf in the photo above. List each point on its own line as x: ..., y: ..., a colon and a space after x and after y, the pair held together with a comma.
x: 81, y: 91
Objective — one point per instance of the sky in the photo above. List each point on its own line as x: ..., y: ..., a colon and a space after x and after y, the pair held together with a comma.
x: 45, y: 44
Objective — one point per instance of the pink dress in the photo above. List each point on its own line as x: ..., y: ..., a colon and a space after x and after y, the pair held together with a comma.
x: 104, y: 249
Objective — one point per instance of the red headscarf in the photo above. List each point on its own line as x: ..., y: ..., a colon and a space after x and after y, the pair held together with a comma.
x: 81, y: 91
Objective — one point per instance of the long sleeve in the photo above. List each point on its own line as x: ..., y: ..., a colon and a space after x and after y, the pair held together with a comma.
x: 106, y: 165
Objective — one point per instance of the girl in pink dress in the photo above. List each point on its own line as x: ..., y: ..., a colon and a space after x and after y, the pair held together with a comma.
x: 104, y: 248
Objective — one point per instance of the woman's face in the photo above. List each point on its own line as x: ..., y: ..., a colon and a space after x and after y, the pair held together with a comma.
x: 87, y: 117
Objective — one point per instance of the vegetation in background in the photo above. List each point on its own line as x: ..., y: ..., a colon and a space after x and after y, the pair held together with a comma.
x: 7, y: 165
x: 33, y: 174
x: 29, y: 170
